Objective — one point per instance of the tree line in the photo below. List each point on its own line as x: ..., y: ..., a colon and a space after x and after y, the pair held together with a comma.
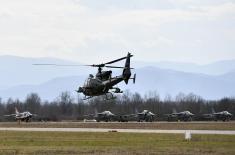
x: 66, y: 107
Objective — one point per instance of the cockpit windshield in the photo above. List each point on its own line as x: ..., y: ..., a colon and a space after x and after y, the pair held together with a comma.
x: 88, y: 80
x: 86, y: 83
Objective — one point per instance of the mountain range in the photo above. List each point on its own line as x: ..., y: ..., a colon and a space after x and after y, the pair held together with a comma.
x: 211, y: 81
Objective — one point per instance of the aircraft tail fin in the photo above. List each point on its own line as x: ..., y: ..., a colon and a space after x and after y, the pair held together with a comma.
x: 16, y: 110
x: 212, y: 110
x: 174, y: 110
x: 96, y: 111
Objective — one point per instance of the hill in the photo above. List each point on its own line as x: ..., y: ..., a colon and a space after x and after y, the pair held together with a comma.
x: 19, y: 78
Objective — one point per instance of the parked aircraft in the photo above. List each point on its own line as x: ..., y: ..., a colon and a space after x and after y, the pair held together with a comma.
x: 106, y: 116
x: 145, y: 115
x: 223, y: 115
x: 23, y: 116
x: 182, y: 116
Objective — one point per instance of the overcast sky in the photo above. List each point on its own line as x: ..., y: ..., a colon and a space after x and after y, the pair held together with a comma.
x: 200, y: 31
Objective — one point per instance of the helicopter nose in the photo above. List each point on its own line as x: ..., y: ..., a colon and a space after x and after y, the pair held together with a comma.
x: 80, y: 90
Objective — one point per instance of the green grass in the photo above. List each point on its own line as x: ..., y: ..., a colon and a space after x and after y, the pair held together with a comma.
x: 66, y: 143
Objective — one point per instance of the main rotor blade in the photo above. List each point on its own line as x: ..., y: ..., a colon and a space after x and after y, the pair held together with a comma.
x: 117, y: 60
x: 110, y: 62
x: 54, y: 65
x: 113, y: 67
x: 94, y: 65
x: 116, y: 67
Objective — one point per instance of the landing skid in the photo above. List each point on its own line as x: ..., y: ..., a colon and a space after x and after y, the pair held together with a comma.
x: 106, y: 96
x: 117, y: 90
x: 86, y: 98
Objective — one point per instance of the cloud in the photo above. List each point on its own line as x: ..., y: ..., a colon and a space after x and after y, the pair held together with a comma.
x: 75, y: 29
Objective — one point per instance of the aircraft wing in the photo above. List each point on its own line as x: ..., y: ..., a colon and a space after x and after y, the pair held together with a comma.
x: 89, y: 115
x: 208, y: 115
x: 132, y: 115
x: 21, y: 117
x: 171, y: 115
x: 177, y: 114
x: 152, y: 114
x: 101, y: 113
x: 217, y: 113
x: 10, y: 115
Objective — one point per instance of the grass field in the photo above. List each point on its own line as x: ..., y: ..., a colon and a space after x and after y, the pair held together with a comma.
x: 66, y: 143
x: 129, y: 125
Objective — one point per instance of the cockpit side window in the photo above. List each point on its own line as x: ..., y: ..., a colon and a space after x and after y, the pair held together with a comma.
x: 86, y: 83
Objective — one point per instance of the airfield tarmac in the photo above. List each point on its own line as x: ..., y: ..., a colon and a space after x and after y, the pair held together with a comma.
x: 126, y: 125
x: 221, y: 132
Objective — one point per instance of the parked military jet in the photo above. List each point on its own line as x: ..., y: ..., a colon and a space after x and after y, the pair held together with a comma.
x: 23, y: 116
x: 145, y: 115
x: 106, y: 116
x: 223, y: 115
x: 182, y: 116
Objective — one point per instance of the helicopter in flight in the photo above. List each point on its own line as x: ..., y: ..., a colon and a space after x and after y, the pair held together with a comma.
x: 103, y: 83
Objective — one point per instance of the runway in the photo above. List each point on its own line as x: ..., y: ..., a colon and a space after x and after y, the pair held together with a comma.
x: 220, y: 132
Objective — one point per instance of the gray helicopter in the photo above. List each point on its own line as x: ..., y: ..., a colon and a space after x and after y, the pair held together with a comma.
x: 182, y: 116
x: 223, y: 115
x: 103, y: 83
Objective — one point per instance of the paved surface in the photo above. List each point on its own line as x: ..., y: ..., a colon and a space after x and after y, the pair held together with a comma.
x: 121, y: 130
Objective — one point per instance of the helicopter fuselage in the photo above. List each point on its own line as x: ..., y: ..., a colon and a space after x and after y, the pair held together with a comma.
x: 92, y: 86
x: 104, y: 75
x: 96, y: 87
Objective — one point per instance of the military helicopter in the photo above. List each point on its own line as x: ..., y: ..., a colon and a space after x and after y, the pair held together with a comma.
x: 103, y: 83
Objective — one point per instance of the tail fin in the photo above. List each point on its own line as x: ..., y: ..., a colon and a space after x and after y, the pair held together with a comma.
x: 127, y: 71
x: 16, y: 110
x: 174, y: 110
x: 96, y: 111
x: 212, y: 110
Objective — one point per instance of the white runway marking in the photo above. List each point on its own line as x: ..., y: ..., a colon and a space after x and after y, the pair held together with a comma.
x: 221, y: 132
